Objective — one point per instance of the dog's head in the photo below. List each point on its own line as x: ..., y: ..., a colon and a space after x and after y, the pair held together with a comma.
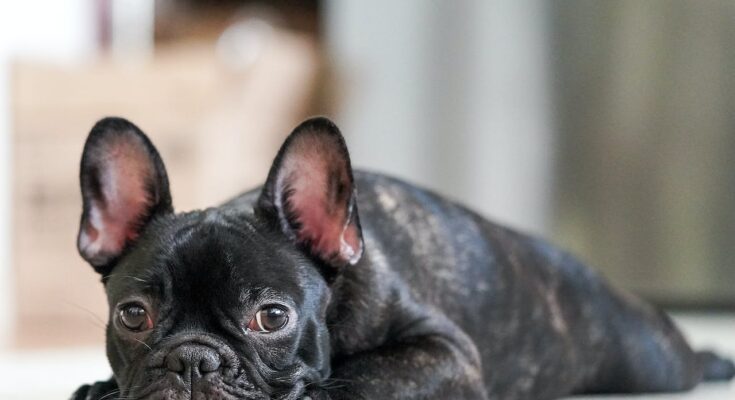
x: 225, y: 303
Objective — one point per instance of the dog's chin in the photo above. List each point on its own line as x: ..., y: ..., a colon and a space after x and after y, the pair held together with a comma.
x: 207, y: 387
x: 211, y: 387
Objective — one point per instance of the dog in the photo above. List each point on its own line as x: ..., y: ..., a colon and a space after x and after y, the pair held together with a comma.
x: 331, y: 284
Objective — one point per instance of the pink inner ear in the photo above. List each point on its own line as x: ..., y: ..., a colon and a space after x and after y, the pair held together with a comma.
x: 322, y: 213
x: 114, y: 219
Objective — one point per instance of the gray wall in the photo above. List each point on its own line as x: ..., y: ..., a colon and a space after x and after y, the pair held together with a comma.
x: 645, y: 95
x: 450, y: 95
x: 607, y: 126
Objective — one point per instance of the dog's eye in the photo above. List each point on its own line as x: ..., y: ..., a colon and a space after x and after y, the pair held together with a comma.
x: 135, y: 318
x: 268, y: 319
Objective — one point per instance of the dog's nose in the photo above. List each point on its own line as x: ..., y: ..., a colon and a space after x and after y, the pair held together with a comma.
x: 193, y: 360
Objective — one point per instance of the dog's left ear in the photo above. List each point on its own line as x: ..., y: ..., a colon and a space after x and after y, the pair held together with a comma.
x: 311, y: 194
x: 124, y: 185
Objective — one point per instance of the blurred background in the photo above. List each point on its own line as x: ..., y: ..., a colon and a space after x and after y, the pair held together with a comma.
x: 606, y: 126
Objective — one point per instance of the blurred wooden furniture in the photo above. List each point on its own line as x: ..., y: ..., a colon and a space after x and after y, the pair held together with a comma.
x: 217, y: 128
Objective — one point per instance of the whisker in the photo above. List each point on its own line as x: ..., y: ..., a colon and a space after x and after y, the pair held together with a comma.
x: 127, y: 276
x: 114, y: 392
x: 143, y: 343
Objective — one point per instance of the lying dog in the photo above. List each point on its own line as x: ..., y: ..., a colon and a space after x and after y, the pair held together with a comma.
x: 287, y: 292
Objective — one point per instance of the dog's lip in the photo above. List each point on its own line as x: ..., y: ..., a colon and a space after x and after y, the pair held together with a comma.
x: 208, y: 384
x: 157, y: 391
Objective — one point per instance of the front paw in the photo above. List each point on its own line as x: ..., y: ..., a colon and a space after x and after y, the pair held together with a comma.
x: 99, y: 390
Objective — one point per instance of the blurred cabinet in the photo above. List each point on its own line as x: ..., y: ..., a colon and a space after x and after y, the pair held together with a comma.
x: 216, y: 127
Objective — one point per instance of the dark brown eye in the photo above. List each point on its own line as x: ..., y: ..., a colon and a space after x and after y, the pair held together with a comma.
x: 268, y: 319
x: 135, y: 318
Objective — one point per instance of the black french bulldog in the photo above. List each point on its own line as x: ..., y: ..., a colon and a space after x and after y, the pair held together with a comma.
x: 287, y: 292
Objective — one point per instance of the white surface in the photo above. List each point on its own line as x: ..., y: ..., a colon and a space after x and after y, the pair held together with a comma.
x: 65, y: 370
x: 62, y: 371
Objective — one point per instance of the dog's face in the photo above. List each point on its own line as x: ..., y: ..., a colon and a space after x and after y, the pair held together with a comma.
x: 221, y: 303
x: 218, y: 306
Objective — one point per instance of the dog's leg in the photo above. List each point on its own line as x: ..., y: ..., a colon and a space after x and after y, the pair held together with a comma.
x: 97, y: 391
x: 426, y: 367
x: 649, y: 354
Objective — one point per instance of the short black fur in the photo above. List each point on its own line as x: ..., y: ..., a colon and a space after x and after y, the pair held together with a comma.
x: 442, y: 304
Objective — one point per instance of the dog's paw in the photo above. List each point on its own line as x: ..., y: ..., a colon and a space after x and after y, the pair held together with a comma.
x: 81, y: 393
x: 99, y: 390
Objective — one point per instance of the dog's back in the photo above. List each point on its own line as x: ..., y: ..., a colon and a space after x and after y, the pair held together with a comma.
x: 541, y: 324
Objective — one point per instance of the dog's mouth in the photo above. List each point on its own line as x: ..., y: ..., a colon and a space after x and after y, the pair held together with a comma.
x: 227, y: 385
x: 203, y: 367
x: 207, y: 387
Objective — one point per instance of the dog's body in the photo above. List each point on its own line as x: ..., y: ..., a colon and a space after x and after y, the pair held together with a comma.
x: 415, y: 298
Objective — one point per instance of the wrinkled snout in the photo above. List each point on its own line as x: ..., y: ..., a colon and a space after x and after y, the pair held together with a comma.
x: 194, y: 366
x: 193, y: 361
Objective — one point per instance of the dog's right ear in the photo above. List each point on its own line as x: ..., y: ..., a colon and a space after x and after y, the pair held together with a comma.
x: 124, y: 185
x: 310, y: 193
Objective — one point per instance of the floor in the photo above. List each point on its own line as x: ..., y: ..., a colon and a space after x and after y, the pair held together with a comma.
x: 63, y: 370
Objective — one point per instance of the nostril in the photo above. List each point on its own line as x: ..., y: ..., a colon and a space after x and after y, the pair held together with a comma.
x: 210, y: 362
x: 193, y: 360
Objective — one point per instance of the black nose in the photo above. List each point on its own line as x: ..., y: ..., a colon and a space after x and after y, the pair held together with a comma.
x: 193, y: 360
